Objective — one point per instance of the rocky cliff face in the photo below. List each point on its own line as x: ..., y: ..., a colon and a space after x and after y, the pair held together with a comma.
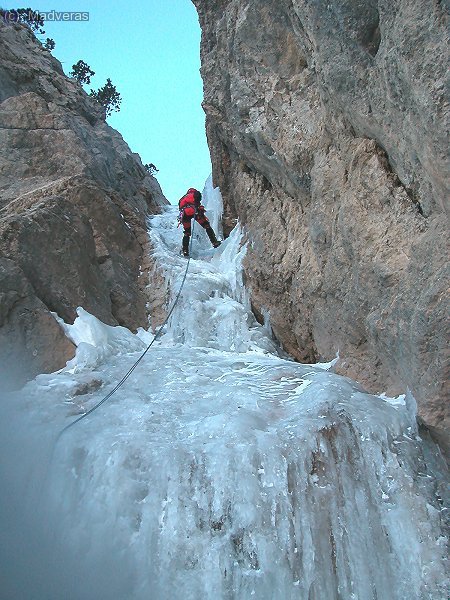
x: 73, y: 204
x: 327, y: 127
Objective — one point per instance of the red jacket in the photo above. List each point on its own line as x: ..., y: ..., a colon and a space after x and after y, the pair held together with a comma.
x: 192, y: 198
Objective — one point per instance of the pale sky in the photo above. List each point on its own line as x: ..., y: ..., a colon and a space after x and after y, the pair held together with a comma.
x: 150, y: 50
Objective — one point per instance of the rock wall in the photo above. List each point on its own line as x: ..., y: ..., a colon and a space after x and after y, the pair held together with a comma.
x: 327, y: 124
x: 73, y: 206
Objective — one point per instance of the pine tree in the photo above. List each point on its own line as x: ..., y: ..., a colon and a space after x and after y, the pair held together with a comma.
x: 49, y: 44
x: 151, y: 168
x: 82, y: 72
x: 108, y: 97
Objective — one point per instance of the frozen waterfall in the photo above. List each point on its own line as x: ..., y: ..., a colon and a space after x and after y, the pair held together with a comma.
x: 220, y: 470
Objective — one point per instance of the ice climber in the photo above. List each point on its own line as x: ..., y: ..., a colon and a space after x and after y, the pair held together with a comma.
x: 190, y: 206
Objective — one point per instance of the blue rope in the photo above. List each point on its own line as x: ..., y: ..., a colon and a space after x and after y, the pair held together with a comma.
x: 125, y: 377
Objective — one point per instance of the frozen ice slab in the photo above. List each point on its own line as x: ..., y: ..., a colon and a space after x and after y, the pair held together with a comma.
x: 220, y: 470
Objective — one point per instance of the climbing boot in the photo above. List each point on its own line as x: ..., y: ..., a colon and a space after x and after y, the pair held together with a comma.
x: 212, y: 237
x: 185, y: 247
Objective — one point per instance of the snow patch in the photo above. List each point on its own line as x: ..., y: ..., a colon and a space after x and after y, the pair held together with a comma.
x: 96, y: 341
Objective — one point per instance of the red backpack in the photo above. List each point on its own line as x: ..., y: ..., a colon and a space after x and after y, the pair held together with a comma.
x: 190, y: 202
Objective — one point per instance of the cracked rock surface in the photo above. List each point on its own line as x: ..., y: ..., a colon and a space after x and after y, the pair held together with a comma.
x: 328, y: 128
x: 73, y: 206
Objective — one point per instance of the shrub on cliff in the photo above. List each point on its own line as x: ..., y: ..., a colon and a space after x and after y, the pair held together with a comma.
x: 49, y: 44
x: 150, y: 168
x: 108, y: 97
x: 27, y: 16
x: 30, y: 18
x: 82, y: 72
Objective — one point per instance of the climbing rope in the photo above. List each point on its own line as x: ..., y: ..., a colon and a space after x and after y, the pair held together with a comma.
x: 125, y: 377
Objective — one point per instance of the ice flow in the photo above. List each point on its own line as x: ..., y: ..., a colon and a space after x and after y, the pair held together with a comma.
x: 220, y: 470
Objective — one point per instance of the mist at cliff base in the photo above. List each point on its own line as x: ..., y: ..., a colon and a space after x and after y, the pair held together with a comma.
x: 220, y: 469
